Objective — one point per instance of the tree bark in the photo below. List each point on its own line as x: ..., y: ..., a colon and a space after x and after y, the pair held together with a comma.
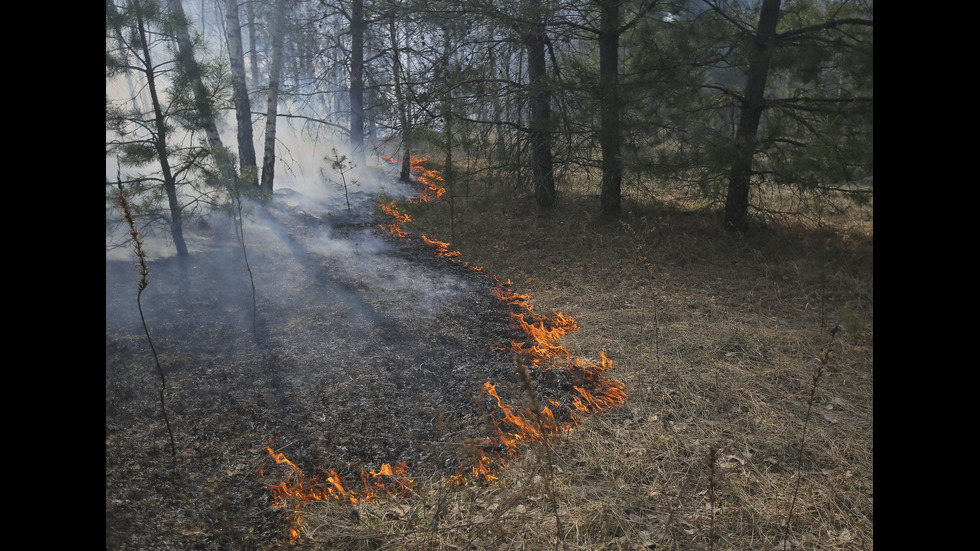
x: 272, y: 112
x: 403, y: 120
x: 357, y: 27
x: 753, y: 104
x: 448, y: 172
x: 542, y: 164
x: 610, y: 108
x: 160, y: 140
x: 243, y: 107
x: 253, y: 51
x: 202, y: 101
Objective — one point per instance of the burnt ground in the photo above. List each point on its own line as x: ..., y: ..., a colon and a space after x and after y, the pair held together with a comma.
x: 364, y: 350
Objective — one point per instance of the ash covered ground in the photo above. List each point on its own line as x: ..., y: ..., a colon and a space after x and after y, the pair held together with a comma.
x: 364, y: 350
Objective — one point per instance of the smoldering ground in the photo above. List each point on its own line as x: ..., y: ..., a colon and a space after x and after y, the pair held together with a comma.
x: 356, y: 349
x: 336, y: 317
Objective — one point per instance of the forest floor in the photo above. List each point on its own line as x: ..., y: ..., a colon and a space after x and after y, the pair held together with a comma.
x: 748, y: 423
x: 749, y: 364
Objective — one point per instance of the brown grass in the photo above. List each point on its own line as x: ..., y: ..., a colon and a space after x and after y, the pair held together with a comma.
x: 717, y: 337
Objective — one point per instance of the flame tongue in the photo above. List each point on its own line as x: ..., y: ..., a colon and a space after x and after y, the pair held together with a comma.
x: 299, y: 487
x: 521, y: 423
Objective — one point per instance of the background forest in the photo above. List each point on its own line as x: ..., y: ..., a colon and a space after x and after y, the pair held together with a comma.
x: 762, y: 107
x: 691, y: 180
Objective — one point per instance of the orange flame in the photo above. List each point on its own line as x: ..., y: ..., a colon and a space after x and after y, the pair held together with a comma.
x: 441, y: 248
x: 521, y: 422
x: 429, y: 180
x: 298, y: 487
x: 542, y: 350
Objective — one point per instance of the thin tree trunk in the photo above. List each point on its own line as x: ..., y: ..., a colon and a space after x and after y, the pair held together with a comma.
x: 542, y: 164
x: 275, y: 70
x: 448, y: 174
x: 610, y: 108
x: 404, y: 122
x: 253, y: 51
x: 243, y: 107
x: 202, y: 101
x: 357, y: 27
x: 753, y: 104
x: 160, y: 141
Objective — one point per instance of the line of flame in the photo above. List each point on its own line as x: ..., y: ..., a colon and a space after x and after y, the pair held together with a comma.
x: 541, y: 348
x: 518, y: 424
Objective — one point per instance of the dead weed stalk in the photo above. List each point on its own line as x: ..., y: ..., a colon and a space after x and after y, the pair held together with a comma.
x: 712, y: 463
x: 641, y: 258
x: 144, y: 271
x: 546, y: 424
x: 814, y: 383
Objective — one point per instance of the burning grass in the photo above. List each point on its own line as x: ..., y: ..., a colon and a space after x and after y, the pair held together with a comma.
x: 588, y: 388
x: 717, y: 338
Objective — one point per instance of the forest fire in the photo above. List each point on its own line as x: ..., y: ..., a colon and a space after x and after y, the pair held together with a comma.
x: 513, y: 425
x: 541, y: 348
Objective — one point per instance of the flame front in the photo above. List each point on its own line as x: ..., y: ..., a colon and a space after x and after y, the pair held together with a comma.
x: 543, y: 351
x: 521, y: 423
x: 540, y: 349
x: 514, y: 424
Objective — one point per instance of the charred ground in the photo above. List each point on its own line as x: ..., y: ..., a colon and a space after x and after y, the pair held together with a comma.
x: 364, y: 350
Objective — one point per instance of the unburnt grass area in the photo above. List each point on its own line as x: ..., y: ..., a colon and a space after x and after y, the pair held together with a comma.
x: 749, y: 363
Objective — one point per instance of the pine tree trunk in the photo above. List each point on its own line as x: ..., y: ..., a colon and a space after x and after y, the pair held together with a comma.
x: 253, y: 51
x: 610, y: 109
x: 357, y: 27
x: 243, y: 106
x: 160, y: 141
x: 753, y: 104
x: 542, y: 164
x: 202, y: 101
x: 404, y: 122
x: 272, y: 113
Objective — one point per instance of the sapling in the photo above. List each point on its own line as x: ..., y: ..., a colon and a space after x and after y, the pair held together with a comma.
x: 342, y: 166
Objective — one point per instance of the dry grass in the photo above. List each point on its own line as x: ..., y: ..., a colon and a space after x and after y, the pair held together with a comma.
x: 717, y: 338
